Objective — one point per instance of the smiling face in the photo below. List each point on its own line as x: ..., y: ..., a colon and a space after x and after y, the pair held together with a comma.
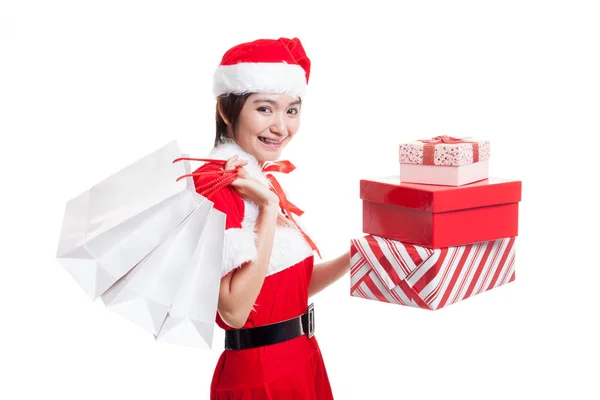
x: 266, y: 124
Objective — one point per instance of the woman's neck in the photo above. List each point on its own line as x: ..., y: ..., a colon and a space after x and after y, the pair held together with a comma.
x: 229, y: 139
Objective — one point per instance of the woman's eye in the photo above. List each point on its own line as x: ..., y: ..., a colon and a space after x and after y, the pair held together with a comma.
x: 263, y: 109
x: 293, y: 111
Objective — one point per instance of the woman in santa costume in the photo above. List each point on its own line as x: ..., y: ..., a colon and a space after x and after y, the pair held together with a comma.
x: 268, y: 272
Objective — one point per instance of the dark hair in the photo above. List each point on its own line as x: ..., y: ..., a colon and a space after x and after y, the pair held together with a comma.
x: 231, y: 105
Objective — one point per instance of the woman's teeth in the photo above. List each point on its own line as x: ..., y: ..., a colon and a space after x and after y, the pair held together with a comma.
x: 268, y: 141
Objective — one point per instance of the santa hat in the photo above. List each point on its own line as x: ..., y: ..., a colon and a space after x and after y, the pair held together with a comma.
x: 263, y: 66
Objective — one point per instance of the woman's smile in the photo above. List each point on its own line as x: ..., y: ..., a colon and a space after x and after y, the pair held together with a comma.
x: 271, y: 143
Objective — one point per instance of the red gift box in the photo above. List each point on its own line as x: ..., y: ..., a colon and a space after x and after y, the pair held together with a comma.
x: 394, y: 272
x: 440, y: 216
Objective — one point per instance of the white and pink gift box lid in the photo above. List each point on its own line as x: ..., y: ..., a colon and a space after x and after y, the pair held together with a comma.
x: 444, y: 160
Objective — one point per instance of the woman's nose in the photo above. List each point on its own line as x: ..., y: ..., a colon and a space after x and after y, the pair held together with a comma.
x: 279, y: 126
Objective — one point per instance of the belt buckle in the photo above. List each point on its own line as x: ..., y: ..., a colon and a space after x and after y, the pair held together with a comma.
x: 311, y: 320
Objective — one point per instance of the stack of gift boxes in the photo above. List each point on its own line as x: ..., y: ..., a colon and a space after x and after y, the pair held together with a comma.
x: 439, y: 232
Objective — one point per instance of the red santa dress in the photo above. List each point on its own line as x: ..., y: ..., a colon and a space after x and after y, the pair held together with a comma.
x: 289, y: 370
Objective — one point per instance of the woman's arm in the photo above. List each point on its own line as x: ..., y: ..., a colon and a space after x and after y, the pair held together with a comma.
x: 240, y: 289
x: 325, y: 273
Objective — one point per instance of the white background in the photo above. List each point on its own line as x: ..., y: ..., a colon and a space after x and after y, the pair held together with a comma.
x: 88, y: 87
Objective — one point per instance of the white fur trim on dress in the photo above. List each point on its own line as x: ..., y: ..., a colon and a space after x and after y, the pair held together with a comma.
x: 273, y: 77
x: 239, y: 248
x: 289, y: 246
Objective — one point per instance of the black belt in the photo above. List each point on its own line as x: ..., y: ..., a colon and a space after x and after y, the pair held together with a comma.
x: 240, y: 339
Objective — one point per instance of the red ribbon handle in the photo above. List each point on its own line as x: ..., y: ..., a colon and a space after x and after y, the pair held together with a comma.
x: 224, y: 177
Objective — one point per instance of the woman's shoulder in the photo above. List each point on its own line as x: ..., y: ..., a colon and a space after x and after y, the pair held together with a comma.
x: 225, y: 199
x: 239, y: 246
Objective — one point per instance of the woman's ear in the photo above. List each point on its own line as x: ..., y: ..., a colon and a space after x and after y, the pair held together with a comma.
x: 220, y: 109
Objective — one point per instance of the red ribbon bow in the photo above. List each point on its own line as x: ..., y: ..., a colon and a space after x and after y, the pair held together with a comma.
x: 226, y: 177
x: 288, y: 207
x: 429, y: 147
x: 444, y: 139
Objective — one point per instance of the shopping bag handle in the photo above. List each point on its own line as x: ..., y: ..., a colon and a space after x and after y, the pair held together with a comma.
x: 224, y: 177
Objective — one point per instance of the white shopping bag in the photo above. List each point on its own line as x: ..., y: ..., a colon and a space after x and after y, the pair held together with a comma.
x: 145, y: 294
x: 191, y: 318
x: 110, y: 228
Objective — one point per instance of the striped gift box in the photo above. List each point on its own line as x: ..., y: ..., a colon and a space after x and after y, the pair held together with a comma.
x: 395, y: 272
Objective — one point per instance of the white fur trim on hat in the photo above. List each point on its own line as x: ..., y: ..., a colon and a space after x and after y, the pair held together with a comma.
x: 242, y: 78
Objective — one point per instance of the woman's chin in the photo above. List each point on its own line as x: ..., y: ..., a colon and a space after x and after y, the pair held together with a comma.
x: 267, y: 153
x: 273, y: 156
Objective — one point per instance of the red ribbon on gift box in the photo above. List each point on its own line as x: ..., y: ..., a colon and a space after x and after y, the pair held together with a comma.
x: 429, y: 147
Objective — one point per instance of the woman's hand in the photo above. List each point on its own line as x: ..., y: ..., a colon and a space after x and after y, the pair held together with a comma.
x: 250, y: 188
